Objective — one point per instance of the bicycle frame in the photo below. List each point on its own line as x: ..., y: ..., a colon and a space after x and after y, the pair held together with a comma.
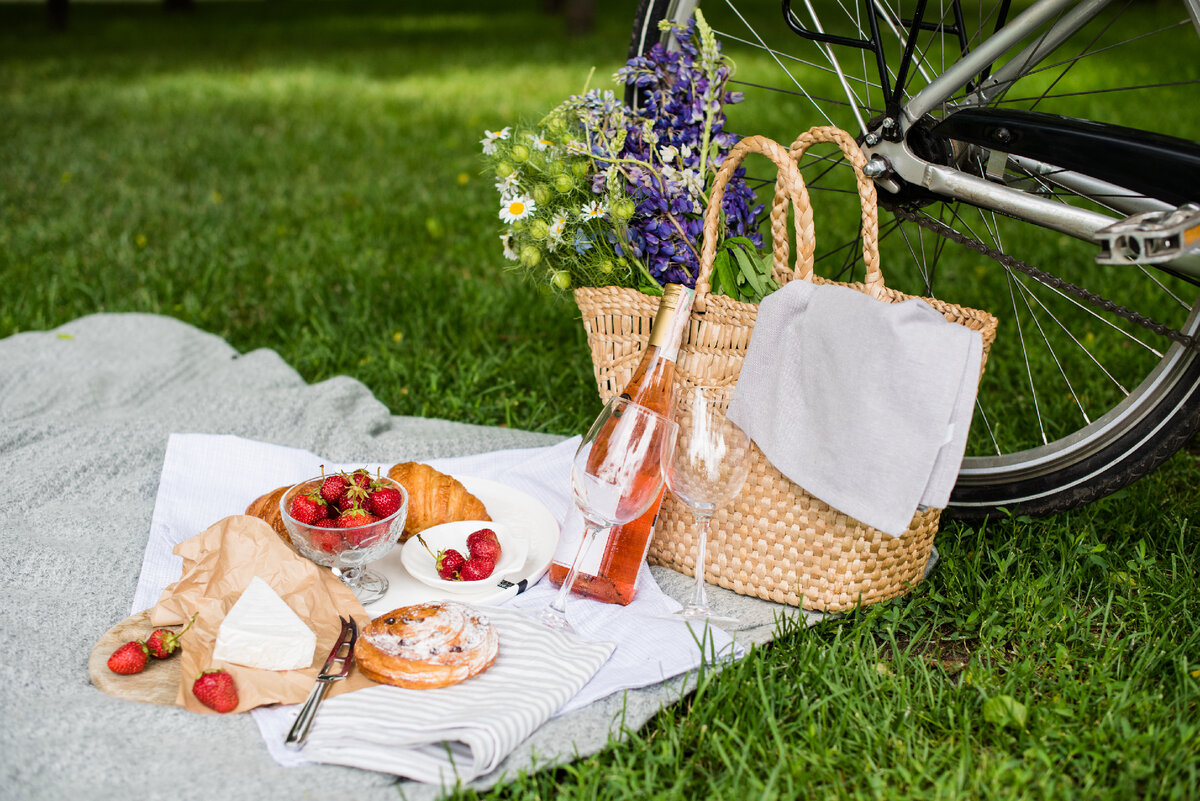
x: 887, y: 141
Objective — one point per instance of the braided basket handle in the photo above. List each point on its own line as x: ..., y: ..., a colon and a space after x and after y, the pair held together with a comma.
x: 788, y: 186
x: 867, y: 199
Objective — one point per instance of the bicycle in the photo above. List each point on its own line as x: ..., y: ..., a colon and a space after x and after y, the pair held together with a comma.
x: 1094, y: 380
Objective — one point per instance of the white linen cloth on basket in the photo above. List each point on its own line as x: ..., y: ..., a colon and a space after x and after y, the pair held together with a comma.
x: 206, y: 477
x: 864, y: 404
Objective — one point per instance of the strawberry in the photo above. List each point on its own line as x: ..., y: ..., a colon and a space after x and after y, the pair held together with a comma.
x: 129, y: 658
x: 214, y: 689
x: 327, y: 540
x: 385, y: 502
x: 163, y: 642
x: 334, y: 487
x: 356, y: 516
x: 308, y: 507
x: 359, y: 533
x: 361, y: 478
x: 476, y: 568
x: 353, y: 496
x: 364, y: 536
x: 448, y: 563
x: 476, y: 536
x: 484, y: 544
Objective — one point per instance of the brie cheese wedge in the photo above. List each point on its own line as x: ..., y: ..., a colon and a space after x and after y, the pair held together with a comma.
x: 262, y: 631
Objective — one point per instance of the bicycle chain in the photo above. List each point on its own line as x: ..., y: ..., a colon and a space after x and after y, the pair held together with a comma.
x: 1052, y: 281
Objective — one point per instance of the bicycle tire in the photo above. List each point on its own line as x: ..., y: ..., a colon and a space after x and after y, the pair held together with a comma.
x: 1129, y: 441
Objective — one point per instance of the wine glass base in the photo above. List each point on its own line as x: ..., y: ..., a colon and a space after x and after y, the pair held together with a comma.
x: 694, y: 613
x: 368, y: 588
x: 555, y: 620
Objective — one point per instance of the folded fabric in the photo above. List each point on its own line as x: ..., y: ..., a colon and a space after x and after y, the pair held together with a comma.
x: 459, y: 732
x: 206, y: 477
x: 866, y: 405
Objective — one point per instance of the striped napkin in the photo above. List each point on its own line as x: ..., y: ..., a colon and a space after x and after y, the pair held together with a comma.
x: 461, y: 732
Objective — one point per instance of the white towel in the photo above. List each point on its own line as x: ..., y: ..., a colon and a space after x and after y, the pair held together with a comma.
x: 866, y: 405
x: 460, y: 732
x: 206, y: 477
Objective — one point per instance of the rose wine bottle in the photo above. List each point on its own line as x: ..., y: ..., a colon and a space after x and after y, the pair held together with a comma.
x: 609, y: 568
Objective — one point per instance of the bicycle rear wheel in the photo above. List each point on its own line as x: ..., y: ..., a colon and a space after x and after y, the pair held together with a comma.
x: 1078, y: 400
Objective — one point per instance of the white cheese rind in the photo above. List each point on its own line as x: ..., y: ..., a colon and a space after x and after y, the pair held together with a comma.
x: 261, y: 631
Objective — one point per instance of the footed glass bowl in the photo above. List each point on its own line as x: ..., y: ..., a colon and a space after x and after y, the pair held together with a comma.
x: 347, y: 550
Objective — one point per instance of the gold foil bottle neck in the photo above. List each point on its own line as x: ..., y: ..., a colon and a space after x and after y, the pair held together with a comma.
x: 665, y: 332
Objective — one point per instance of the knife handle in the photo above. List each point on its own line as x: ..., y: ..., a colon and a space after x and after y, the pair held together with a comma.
x: 299, y: 732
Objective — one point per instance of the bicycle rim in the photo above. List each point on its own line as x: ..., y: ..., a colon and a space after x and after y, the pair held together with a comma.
x: 1077, y: 401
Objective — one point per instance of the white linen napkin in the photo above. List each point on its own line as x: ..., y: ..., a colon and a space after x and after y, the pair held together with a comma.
x: 866, y: 405
x: 206, y: 477
x: 462, y: 731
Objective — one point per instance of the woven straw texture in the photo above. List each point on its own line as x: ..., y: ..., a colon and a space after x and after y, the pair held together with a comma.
x: 774, y: 541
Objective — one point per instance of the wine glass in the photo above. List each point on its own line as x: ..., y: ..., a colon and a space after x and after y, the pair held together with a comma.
x: 615, y: 476
x: 706, y: 469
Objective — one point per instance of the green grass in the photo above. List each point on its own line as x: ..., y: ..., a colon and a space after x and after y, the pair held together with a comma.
x: 305, y: 177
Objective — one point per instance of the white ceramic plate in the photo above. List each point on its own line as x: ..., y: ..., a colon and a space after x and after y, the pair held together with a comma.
x: 519, y: 513
x: 419, y: 559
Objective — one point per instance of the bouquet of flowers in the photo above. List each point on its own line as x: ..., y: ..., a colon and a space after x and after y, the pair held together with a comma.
x: 598, y: 193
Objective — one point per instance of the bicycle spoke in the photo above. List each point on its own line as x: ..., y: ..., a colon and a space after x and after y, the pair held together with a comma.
x: 1025, y: 355
x: 777, y: 90
x: 987, y: 425
x: 778, y: 61
x: 778, y: 54
x: 1074, y: 339
x: 1180, y: 301
x: 1087, y: 47
x: 1050, y: 348
x: 1108, y: 90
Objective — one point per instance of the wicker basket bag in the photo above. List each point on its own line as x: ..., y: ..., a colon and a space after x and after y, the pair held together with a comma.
x: 774, y: 540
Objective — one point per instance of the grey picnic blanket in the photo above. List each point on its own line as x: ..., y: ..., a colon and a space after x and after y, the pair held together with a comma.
x: 85, y: 413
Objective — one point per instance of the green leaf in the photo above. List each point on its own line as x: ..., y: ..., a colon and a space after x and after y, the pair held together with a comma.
x: 1005, y: 711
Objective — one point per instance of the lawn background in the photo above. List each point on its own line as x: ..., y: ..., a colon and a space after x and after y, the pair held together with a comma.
x: 305, y: 177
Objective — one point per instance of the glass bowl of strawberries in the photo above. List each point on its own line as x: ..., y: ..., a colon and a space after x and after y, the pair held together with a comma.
x: 345, y: 520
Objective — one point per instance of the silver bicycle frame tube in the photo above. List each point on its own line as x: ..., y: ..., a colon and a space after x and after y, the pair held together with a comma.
x: 949, y: 182
x: 996, y: 45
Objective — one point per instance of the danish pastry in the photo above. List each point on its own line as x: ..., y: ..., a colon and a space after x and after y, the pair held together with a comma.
x: 427, y: 645
x: 434, y: 498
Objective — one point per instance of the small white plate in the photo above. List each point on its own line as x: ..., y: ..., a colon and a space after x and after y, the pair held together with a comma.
x: 418, y: 553
x: 507, y: 506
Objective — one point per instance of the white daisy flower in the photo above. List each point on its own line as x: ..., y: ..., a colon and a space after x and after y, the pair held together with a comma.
x: 539, y: 141
x: 593, y: 211
x: 516, y: 208
x: 490, y: 138
x: 554, y: 236
x: 509, y: 253
x: 509, y: 184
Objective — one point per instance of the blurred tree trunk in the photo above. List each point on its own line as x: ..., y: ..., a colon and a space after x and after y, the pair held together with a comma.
x: 579, y: 15
x: 57, y: 14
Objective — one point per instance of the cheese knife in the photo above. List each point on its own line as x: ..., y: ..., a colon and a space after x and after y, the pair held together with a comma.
x: 337, y: 666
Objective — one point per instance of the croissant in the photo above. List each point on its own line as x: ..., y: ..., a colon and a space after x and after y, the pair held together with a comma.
x: 267, y: 508
x: 434, y: 498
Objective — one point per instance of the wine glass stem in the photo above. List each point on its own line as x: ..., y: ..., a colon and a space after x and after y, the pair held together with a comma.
x: 559, y: 604
x: 699, y: 596
x: 351, y: 575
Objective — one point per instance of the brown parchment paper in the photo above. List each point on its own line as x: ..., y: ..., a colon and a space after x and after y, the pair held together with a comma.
x: 218, y: 565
